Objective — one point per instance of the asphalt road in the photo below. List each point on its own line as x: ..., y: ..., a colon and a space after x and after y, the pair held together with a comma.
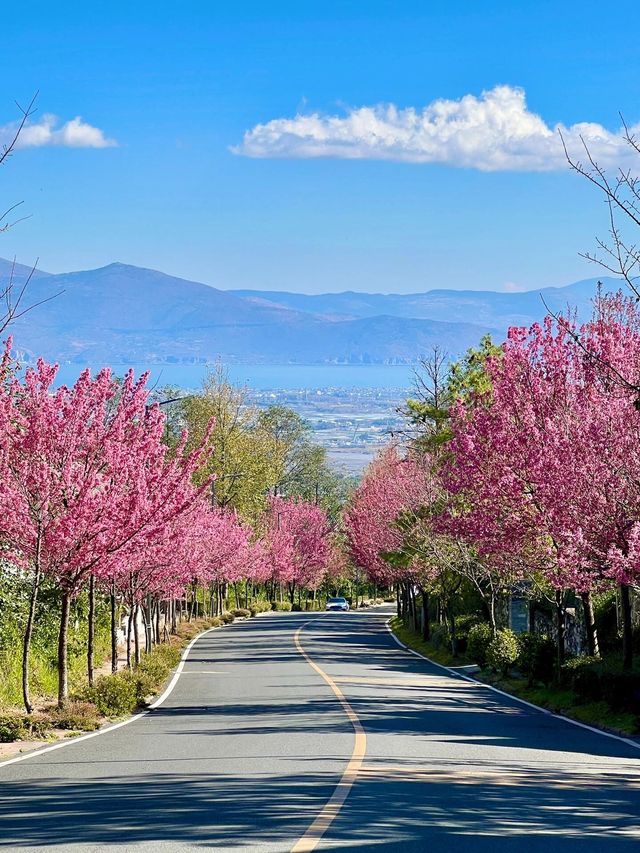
x: 250, y: 746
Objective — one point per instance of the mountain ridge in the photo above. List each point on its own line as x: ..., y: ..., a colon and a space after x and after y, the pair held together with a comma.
x: 120, y: 313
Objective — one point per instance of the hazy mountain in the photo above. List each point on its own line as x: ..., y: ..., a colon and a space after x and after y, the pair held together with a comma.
x: 496, y: 310
x: 18, y: 272
x: 125, y: 314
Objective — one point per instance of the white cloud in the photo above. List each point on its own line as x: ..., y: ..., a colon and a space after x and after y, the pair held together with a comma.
x: 513, y: 287
x: 493, y: 132
x: 75, y: 133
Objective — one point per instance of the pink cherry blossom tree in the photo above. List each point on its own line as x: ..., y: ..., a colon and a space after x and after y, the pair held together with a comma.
x: 87, y: 477
x: 298, y: 543
x: 545, y: 469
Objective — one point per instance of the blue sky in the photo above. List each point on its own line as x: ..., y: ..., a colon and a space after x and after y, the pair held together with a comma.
x: 177, y: 86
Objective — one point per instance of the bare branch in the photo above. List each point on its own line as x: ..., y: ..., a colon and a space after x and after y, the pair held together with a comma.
x: 8, y: 148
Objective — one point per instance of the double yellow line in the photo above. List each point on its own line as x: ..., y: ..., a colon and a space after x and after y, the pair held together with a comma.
x: 330, y: 810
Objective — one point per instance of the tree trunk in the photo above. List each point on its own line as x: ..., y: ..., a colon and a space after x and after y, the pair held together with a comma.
x: 627, y: 628
x: 114, y: 630
x: 147, y: 611
x: 63, y: 650
x: 492, y: 613
x: 560, y: 627
x: 129, y: 630
x: 91, y: 628
x: 158, y: 619
x: 452, y: 629
x: 28, y: 631
x: 413, y: 613
x: 192, y: 606
x: 136, y: 636
x: 426, y: 628
x: 142, y: 610
x: 590, y: 624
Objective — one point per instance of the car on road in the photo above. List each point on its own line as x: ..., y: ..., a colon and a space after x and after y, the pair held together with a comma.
x: 337, y: 604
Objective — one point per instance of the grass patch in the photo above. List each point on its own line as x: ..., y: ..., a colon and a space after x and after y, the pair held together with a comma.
x: 112, y: 697
x: 560, y: 700
x: 414, y: 641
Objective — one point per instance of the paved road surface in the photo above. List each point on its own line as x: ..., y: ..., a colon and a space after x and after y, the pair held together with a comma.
x: 250, y: 745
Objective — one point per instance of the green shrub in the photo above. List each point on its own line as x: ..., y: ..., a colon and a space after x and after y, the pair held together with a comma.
x: 465, y: 623
x: 478, y: 640
x: 145, y: 684
x: 582, y: 675
x: 593, y: 679
x: 620, y: 688
x: 440, y: 637
x: 537, y: 657
x: 281, y: 605
x: 214, y: 622
x: 260, y: 606
x: 296, y: 608
x: 153, y: 667
x: 240, y: 612
x: 16, y: 725
x: 227, y: 617
x: 12, y: 727
x: 77, y: 715
x: 502, y: 651
x: 115, y: 695
x: 169, y: 653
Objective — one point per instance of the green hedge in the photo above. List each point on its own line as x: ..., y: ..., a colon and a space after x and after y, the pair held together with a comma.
x: 478, y: 641
x: 537, y: 657
x: 593, y: 679
x: 502, y: 651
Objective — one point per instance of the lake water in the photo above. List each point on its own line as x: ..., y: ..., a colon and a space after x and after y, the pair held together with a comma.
x: 265, y: 376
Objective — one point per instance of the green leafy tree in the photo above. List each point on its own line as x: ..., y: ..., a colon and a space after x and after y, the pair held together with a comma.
x: 241, y: 460
x: 439, y: 382
x: 301, y: 466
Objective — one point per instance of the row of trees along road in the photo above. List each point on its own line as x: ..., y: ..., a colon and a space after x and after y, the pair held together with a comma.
x: 107, y: 502
x: 521, y: 464
x: 114, y: 497
x: 523, y: 468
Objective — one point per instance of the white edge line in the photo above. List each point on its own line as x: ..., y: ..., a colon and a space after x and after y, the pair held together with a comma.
x: 71, y: 741
x: 453, y: 672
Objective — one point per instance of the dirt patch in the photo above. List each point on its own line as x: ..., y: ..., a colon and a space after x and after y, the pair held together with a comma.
x: 16, y: 747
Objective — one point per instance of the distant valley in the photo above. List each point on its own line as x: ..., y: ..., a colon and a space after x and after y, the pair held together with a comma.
x: 129, y: 315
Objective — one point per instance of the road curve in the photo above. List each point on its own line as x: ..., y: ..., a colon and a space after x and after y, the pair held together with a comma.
x: 255, y: 747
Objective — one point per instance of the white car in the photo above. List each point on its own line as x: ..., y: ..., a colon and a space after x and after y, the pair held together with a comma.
x: 337, y: 604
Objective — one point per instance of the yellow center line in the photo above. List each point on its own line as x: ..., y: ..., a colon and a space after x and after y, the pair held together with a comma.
x: 331, y: 809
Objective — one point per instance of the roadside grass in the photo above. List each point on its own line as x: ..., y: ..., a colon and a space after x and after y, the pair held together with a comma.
x: 560, y: 700
x: 435, y: 653
x: 43, y: 674
x: 113, y: 696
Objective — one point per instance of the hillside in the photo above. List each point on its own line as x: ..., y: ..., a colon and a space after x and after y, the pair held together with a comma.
x: 490, y: 308
x: 126, y: 314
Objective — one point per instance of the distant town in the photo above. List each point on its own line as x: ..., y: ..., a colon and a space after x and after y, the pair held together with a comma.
x: 351, y: 423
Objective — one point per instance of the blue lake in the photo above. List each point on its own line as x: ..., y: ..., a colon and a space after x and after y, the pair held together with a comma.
x: 265, y: 376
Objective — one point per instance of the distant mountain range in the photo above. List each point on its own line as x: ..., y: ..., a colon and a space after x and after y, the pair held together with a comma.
x: 121, y: 314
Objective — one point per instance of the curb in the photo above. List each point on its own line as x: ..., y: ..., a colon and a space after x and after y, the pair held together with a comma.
x: 628, y: 741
